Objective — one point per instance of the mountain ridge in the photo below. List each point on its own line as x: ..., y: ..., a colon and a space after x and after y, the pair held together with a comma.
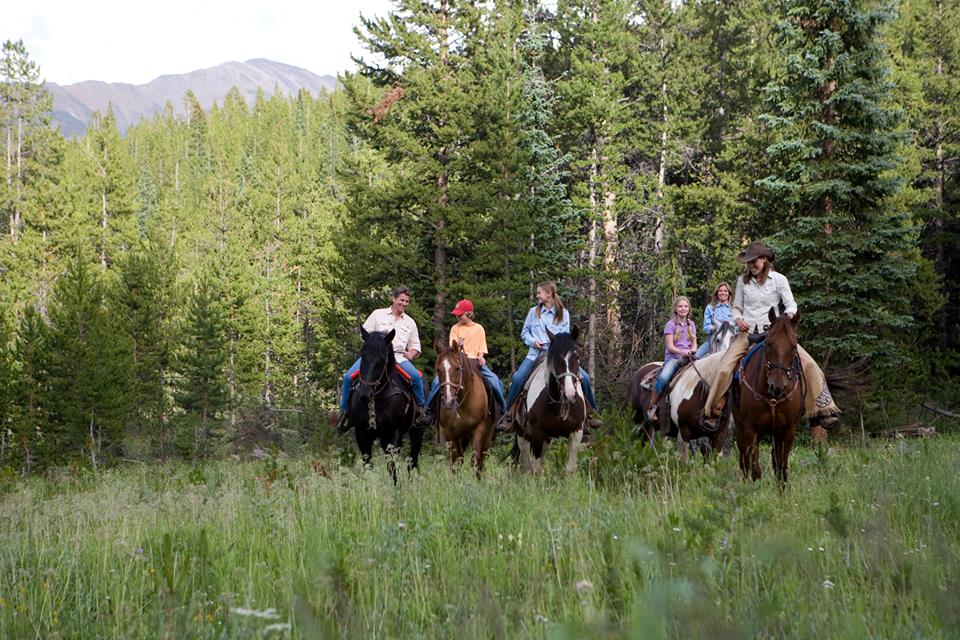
x: 74, y: 104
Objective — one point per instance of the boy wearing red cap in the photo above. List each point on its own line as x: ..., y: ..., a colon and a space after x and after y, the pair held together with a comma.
x: 474, y: 340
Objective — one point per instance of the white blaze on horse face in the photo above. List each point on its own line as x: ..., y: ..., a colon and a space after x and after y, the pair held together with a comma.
x: 447, y: 388
x: 569, y: 389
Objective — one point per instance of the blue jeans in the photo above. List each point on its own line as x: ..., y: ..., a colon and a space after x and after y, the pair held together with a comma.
x: 526, y: 368
x: 669, y: 368
x: 704, y: 349
x: 487, y: 374
x: 406, y: 365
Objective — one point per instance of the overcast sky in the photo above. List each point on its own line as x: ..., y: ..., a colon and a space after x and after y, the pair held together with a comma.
x: 124, y: 41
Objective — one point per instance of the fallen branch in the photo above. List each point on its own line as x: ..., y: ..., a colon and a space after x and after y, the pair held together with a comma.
x: 939, y: 411
x: 915, y: 430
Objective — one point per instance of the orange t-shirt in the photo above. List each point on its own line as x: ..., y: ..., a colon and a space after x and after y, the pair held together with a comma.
x: 473, y: 336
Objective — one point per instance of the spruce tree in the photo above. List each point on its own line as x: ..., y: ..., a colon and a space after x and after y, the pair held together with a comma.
x: 201, y: 388
x: 848, y: 254
x: 30, y: 393
x: 90, y: 368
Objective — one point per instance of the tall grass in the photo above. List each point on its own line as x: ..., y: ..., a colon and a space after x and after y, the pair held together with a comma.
x: 864, y: 543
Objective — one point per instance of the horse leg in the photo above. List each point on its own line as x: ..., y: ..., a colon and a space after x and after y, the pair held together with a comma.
x: 416, y: 444
x: 574, y: 446
x: 749, y: 453
x: 482, y: 439
x: 683, y: 446
x: 365, y: 444
x: 781, y: 453
x: 539, y: 453
x: 526, y: 456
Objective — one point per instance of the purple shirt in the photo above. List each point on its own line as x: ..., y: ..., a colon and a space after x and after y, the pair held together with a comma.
x: 682, y: 342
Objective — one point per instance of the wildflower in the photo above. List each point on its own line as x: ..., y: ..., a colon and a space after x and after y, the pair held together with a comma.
x: 541, y: 619
x: 676, y: 529
x: 583, y: 586
x: 268, y: 614
x: 277, y: 626
x: 401, y: 525
x: 827, y: 584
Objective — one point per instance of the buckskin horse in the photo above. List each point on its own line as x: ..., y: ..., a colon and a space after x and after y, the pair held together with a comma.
x: 767, y: 400
x: 553, y: 405
x: 382, y: 405
x: 465, y: 413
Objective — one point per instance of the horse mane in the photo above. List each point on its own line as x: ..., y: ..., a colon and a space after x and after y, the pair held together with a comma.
x: 377, y: 340
x: 561, y: 343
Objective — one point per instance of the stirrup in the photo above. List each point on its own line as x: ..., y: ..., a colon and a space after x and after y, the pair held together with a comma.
x: 505, y: 423
x: 342, y: 425
x: 651, y: 413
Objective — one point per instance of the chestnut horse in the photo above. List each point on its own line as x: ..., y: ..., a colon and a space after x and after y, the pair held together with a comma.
x: 553, y: 406
x: 464, y: 412
x: 768, y: 398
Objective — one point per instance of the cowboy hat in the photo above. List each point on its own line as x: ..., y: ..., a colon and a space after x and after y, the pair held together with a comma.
x: 755, y: 250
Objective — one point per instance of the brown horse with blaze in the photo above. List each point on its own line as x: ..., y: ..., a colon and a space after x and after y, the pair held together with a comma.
x: 465, y: 413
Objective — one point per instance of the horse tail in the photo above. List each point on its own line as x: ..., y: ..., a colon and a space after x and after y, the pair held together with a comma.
x: 851, y: 379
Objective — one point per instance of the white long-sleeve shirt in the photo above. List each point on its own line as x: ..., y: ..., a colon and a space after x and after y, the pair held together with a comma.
x: 752, y: 301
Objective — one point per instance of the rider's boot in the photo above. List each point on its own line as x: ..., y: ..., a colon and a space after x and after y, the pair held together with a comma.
x: 710, y: 423
x: 594, y: 419
x: 342, y: 425
x: 426, y: 416
x: 505, y: 423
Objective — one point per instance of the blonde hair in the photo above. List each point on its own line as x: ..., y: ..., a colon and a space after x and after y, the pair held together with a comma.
x: 691, y: 333
x: 714, y: 300
x: 551, y: 288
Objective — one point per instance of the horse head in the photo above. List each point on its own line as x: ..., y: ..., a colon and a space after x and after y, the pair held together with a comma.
x: 451, y: 367
x: 722, y: 337
x: 783, y: 364
x: 376, y: 361
x: 563, y: 363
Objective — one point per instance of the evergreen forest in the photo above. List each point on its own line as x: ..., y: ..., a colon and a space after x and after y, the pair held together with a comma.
x: 195, y: 286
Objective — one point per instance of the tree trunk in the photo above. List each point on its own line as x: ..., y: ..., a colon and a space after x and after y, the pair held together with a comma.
x: 592, y: 249
x: 614, y: 334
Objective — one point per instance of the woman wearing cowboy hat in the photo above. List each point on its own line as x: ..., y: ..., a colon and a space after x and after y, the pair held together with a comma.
x: 757, y: 291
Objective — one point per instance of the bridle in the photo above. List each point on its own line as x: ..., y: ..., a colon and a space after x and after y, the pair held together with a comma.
x: 794, y: 379
x: 562, y: 400
x: 457, y: 387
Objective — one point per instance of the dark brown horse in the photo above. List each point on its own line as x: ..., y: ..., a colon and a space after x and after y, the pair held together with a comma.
x: 464, y: 412
x: 639, y: 392
x: 688, y: 390
x: 554, y: 405
x: 768, y: 399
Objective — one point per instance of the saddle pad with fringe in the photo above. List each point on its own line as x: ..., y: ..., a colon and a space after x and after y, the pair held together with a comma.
x: 400, y: 370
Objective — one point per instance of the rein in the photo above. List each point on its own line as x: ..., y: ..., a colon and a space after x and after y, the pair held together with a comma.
x: 562, y: 400
x: 457, y: 388
x: 793, y: 375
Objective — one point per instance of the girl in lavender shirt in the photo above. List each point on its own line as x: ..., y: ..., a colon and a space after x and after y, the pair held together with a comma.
x: 680, y: 334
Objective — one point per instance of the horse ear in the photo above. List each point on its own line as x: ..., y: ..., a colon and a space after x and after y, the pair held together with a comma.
x: 455, y: 346
x: 795, y: 320
x: 460, y: 343
x: 550, y: 335
x: 390, y: 335
x: 363, y: 334
x: 439, y: 345
x: 772, y: 314
x: 574, y: 332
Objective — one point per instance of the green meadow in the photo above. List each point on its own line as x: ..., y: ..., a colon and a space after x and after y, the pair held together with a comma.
x: 863, y: 544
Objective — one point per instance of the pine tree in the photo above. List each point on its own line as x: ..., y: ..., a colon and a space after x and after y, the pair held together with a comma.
x: 90, y: 368
x: 201, y: 389
x: 842, y: 245
x: 30, y: 392
x: 146, y: 299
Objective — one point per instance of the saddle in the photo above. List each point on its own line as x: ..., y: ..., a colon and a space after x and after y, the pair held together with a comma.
x: 520, y: 414
x: 403, y: 374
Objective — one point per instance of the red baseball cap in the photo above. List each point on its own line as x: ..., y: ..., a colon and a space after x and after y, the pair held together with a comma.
x: 462, y: 307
